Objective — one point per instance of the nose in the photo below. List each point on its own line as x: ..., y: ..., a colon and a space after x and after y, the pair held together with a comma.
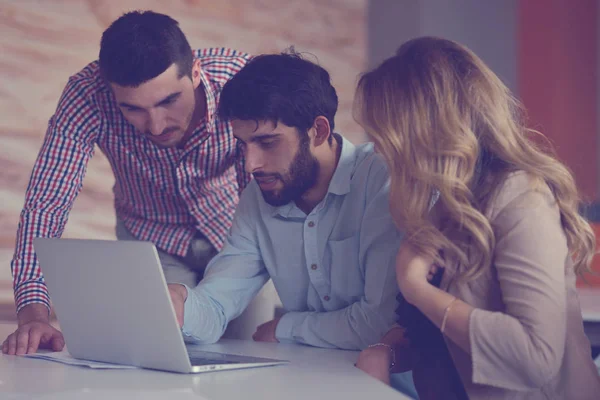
x: 156, y: 123
x: 253, y: 159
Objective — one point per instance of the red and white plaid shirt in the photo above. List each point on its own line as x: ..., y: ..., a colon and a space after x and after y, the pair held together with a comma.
x: 162, y: 195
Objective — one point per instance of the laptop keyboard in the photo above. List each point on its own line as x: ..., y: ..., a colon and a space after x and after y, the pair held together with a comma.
x: 197, y: 361
x: 198, y: 357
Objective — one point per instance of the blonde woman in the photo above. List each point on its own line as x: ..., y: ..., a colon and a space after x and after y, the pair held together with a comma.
x: 493, y: 236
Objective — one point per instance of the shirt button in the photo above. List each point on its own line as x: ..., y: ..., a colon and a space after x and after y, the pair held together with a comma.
x: 311, y: 224
x: 326, y: 298
x: 313, y: 267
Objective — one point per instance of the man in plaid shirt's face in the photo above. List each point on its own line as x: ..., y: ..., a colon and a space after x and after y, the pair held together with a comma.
x: 160, y: 94
x: 165, y: 108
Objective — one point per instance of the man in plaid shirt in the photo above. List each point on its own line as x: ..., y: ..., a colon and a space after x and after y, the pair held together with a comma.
x: 149, y: 103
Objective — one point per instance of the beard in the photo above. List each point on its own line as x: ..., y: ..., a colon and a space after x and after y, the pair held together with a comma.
x: 301, y: 176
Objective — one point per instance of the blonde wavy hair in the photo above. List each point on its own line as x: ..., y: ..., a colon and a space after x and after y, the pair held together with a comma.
x: 445, y: 122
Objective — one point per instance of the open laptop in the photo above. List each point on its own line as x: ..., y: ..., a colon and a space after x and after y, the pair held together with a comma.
x: 113, y: 305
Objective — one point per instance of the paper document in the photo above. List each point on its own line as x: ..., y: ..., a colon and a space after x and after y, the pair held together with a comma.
x: 65, y: 358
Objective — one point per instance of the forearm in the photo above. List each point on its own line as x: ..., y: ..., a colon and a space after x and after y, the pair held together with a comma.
x: 433, y: 302
x: 404, y: 355
x: 395, y: 336
x: 391, y: 355
x: 352, y: 328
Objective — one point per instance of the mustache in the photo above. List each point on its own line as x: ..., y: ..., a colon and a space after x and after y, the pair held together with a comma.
x: 266, y: 175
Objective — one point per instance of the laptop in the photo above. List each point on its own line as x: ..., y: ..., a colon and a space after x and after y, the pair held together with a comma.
x: 113, y: 306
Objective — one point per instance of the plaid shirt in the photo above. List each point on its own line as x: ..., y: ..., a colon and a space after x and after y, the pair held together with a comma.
x: 162, y: 195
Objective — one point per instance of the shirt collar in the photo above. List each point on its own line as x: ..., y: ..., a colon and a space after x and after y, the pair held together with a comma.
x: 210, y: 90
x: 340, y: 181
x: 208, y: 124
x: 339, y: 184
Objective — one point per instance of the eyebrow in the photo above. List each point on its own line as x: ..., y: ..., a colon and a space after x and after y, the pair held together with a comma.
x: 264, y: 136
x: 167, y: 99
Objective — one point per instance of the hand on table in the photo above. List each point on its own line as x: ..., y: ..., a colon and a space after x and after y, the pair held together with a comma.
x: 34, y: 331
x: 266, y: 331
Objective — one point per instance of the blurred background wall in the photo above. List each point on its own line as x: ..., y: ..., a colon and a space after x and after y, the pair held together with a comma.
x: 546, y: 51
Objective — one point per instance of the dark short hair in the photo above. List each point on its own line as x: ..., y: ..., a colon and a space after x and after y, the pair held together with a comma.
x: 280, y: 87
x: 141, y: 45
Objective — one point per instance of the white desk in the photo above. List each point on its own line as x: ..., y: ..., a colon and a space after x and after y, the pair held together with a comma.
x: 312, y: 374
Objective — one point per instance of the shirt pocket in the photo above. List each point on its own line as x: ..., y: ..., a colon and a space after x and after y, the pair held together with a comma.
x: 347, y: 274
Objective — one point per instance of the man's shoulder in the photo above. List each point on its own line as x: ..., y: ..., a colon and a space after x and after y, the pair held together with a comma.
x: 369, y: 164
x: 221, y: 62
x: 87, y: 82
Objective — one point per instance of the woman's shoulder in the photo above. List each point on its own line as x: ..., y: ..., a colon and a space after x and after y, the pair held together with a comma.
x: 521, y: 190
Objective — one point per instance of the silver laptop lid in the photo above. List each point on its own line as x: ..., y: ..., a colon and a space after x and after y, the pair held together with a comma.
x: 112, y: 302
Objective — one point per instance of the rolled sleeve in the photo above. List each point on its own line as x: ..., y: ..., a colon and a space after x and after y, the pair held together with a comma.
x: 285, y: 327
x: 203, y: 322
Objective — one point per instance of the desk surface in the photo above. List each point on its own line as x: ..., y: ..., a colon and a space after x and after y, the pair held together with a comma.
x: 313, y: 373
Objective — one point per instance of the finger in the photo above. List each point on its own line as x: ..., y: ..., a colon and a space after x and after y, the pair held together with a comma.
x: 433, y: 269
x: 22, y: 341
x: 52, y: 339
x: 57, y: 342
x: 45, y: 338
x: 35, y: 335
x: 12, y: 344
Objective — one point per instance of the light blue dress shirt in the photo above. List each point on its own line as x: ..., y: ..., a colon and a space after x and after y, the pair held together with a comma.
x: 334, y: 269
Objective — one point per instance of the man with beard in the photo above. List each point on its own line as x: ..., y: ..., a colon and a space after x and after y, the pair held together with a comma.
x: 315, y: 219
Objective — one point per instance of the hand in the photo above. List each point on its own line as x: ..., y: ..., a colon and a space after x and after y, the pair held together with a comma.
x: 413, y: 271
x: 266, y: 331
x: 178, y: 296
x: 375, y: 361
x: 34, y: 332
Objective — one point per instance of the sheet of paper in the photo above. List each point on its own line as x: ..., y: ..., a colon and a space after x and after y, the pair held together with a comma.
x: 65, y: 358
